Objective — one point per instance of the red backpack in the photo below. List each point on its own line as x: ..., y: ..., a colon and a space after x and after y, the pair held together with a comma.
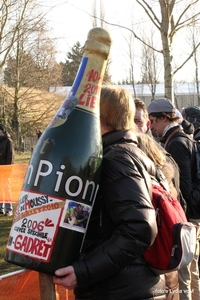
x: 175, y: 243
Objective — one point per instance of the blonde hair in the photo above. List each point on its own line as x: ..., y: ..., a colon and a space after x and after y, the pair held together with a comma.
x: 139, y: 103
x: 154, y: 151
x: 117, y: 109
x: 149, y: 146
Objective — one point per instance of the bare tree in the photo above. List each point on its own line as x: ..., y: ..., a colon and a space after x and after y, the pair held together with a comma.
x: 168, y: 27
x: 98, y: 19
x: 150, y: 63
x: 12, y: 14
x: 98, y: 13
x: 35, y: 110
x: 168, y: 17
x: 94, y: 14
x: 193, y: 40
x: 33, y: 63
x: 131, y: 57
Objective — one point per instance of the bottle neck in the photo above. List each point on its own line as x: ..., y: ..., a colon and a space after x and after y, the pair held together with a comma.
x: 89, y: 81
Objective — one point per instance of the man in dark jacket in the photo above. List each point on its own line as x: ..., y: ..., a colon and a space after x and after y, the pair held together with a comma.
x: 197, y: 134
x: 162, y: 115
x: 143, y: 123
x: 122, y: 224
x: 6, y: 158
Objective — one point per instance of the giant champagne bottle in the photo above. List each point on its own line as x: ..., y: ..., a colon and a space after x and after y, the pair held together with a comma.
x: 63, y: 175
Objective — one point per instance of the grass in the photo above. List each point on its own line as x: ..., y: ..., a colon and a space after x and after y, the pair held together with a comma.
x: 22, y: 157
x: 6, y: 223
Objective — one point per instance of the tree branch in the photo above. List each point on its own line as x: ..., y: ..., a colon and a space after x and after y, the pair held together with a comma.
x: 152, y: 16
x: 187, y: 59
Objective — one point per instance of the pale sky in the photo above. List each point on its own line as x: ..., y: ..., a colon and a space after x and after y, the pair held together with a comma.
x: 71, y: 22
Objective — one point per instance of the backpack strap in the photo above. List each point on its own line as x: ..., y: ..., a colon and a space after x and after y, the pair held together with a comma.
x: 194, y: 142
x: 171, y: 134
x: 197, y: 155
x: 161, y: 179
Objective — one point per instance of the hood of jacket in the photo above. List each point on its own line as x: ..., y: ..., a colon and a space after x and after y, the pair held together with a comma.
x: 187, y: 127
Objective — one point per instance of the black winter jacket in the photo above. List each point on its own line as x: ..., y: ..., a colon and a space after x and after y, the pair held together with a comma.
x: 188, y: 127
x: 197, y: 134
x: 121, y: 228
x: 180, y: 147
x: 6, y: 150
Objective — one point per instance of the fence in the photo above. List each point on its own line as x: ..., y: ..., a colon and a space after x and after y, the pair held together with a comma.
x: 27, y: 284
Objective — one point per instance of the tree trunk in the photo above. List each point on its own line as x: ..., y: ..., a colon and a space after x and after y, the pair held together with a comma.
x: 167, y: 57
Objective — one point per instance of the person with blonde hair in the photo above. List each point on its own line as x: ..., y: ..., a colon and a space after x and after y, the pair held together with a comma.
x: 123, y: 223
x: 151, y: 148
x: 117, y: 113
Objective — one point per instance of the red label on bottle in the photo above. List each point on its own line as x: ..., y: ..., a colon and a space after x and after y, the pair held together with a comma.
x: 89, y: 97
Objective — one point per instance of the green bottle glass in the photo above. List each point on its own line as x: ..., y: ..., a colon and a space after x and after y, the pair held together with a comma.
x: 63, y: 175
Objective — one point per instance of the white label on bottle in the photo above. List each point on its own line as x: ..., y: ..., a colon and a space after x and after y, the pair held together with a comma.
x: 37, y: 220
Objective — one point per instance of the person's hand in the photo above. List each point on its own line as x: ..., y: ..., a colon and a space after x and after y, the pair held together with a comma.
x: 65, y: 277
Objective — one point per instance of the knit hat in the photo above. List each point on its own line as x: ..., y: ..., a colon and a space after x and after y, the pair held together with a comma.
x: 2, y: 127
x: 161, y: 105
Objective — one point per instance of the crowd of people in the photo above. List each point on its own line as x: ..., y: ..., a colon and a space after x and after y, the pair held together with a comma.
x: 123, y: 224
